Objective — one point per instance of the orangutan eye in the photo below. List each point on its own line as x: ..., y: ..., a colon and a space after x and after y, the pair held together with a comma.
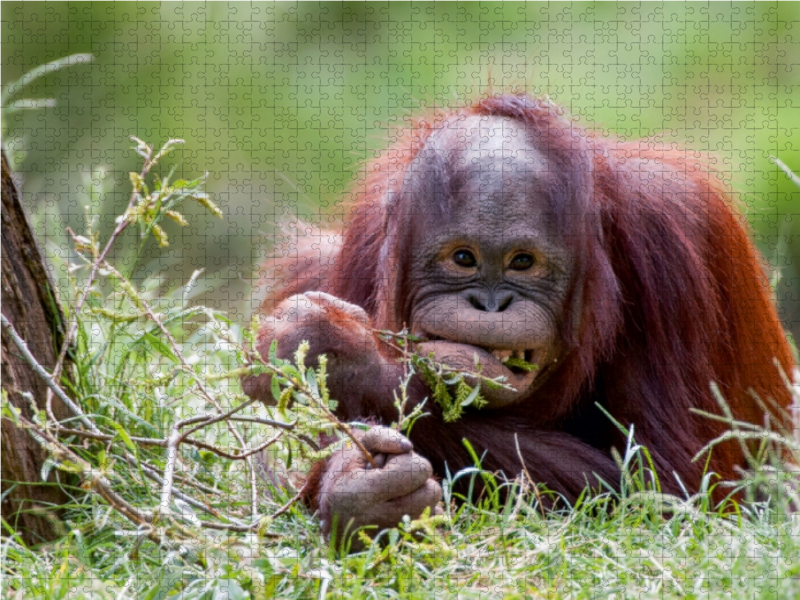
x: 465, y: 258
x: 521, y: 262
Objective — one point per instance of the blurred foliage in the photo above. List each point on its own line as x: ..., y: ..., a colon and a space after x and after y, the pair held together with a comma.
x: 285, y: 101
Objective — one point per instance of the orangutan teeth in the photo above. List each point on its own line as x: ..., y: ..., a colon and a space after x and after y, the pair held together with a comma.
x: 502, y: 355
x: 505, y: 355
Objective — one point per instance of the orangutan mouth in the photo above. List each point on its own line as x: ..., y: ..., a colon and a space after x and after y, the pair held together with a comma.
x: 490, y: 363
x: 526, y: 356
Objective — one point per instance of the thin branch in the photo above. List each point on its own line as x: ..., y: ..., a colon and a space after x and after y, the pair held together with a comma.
x: 169, y: 470
x: 185, y: 480
x: 90, y: 475
x: 251, y: 452
x: 237, y: 528
x: 151, y: 473
x: 162, y: 443
x: 270, y: 422
x: 291, y: 501
x: 210, y: 419
x: 44, y: 375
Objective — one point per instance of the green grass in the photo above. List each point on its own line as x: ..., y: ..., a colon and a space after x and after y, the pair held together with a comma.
x: 513, y: 552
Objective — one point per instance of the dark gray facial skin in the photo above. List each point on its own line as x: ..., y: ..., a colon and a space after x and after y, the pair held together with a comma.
x: 491, y: 270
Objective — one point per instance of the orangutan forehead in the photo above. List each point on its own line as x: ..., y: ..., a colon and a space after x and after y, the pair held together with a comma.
x: 478, y: 139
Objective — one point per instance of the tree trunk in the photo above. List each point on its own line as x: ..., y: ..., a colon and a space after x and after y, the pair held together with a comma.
x: 31, y: 306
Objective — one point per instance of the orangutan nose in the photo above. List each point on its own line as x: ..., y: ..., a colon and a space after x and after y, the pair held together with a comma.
x: 490, y: 301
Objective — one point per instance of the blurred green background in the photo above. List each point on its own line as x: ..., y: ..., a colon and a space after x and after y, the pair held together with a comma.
x: 281, y: 104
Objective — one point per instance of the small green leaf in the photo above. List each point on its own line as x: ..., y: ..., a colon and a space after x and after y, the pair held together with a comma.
x: 291, y: 373
x: 472, y: 396
x: 492, y: 384
x: 159, y: 346
x: 126, y: 439
x: 273, y: 352
x: 275, y: 388
x: 521, y: 363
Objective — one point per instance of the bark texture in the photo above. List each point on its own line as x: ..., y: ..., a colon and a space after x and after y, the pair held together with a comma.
x: 29, y: 302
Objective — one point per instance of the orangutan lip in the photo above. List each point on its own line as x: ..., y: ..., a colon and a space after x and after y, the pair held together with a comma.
x: 502, y: 355
x: 480, y: 362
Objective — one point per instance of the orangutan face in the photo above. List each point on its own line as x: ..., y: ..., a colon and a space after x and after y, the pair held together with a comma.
x: 491, y: 270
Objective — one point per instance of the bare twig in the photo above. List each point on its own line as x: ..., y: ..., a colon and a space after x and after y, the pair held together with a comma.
x: 155, y: 442
x: 291, y: 501
x: 45, y: 376
x: 210, y: 419
x: 237, y: 528
x: 184, y: 480
x: 169, y: 470
x: 92, y: 477
x: 270, y: 422
x: 244, y: 455
x: 151, y: 473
